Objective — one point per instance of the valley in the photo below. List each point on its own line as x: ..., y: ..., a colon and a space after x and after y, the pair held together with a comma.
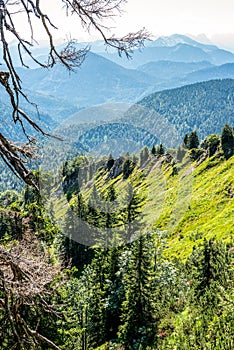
x: 119, y: 235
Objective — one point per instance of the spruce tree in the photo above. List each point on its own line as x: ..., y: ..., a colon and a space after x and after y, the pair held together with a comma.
x: 110, y: 162
x: 211, y: 274
x: 193, y: 141
x: 131, y: 215
x: 96, y: 327
x: 160, y: 150
x: 139, y: 323
x: 211, y: 144
x: 227, y: 141
x: 153, y: 150
x: 128, y: 167
x: 185, y: 141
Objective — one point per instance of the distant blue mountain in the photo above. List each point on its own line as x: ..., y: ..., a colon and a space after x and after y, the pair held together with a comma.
x: 174, y: 48
x: 170, y: 74
x: 170, y: 114
x: 218, y: 72
x: 97, y: 81
x: 167, y: 70
x: 165, y: 63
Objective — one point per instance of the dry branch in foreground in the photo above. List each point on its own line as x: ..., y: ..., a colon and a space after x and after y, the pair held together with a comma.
x: 92, y: 14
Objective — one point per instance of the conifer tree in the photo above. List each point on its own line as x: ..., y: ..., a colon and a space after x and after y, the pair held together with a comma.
x: 131, y: 215
x: 110, y: 162
x: 227, y: 141
x: 211, y: 273
x: 139, y: 323
x: 128, y: 167
x: 160, y: 150
x: 185, y: 141
x: 96, y: 327
x: 153, y: 150
x: 193, y: 141
x: 211, y: 144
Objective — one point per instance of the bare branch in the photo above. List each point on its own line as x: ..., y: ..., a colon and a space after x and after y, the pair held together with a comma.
x: 91, y: 14
x: 25, y: 276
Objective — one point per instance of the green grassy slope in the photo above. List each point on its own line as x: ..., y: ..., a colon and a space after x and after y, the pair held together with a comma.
x: 209, y: 211
x: 194, y: 203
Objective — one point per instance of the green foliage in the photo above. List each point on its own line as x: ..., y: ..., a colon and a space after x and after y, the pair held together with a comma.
x: 160, y: 150
x: 195, y: 153
x: 153, y: 150
x: 227, y: 141
x: 212, y: 274
x: 205, y: 321
x: 139, y: 319
x: 157, y: 291
x: 211, y: 144
x: 110, y: 162
x: 128, y: 167
x: 192, y: 140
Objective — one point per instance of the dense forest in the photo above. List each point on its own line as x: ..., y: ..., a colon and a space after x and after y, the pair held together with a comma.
x: 132, y: 252
x: 206, y: 106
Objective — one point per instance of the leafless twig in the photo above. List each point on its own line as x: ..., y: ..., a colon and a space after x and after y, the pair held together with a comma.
x: 90, y: 13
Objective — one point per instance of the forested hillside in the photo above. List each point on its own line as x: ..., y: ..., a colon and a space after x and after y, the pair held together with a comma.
x: 205, y: 106
x: 164, y: 116
x: 149, y: 238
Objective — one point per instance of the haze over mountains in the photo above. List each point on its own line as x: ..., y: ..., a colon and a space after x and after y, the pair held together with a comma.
x: 120, y: 109
x: 104, y: 77
x: 113, y: 84
x: 174, y: 48
x: 162, y: 117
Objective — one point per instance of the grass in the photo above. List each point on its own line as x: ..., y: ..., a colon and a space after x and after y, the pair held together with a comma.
x: 194, y: 204
x: 209, y: 211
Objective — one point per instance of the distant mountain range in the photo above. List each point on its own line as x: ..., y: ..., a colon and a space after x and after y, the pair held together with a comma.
x: 104, y: 77
x: 97, y: 81
x: 13, y: 130
x: 177, y: 48
x: 168, y: 62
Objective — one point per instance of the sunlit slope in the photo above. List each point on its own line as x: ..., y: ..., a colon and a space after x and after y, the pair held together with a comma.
x: 189, y: 200
x: 201, y: 207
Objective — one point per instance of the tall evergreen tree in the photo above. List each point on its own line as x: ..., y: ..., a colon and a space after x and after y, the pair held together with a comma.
x: 97, y: 324
x: 153, y: 150
x: 211, y: 274
x: 139, y: 323
x: 227, y: 141
x: 160, y: 150
x: 185, y: 141
x: 128, y: 167
x: 131, y: 215
x: 110, y: 162
x: 211, y: 144
x: 193, y: 141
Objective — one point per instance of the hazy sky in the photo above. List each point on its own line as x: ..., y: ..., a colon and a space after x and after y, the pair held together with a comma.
x: 161, y: 17
x: 182, y: 16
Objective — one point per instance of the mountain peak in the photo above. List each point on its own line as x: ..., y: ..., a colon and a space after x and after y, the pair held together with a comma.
x: 176, y: 39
